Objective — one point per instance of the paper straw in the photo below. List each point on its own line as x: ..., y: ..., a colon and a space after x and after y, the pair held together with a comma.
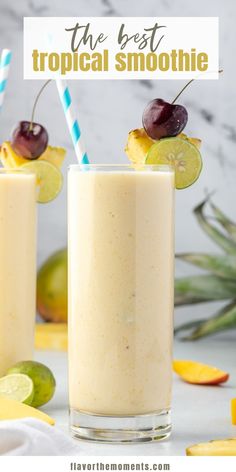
x: 4, y: 71
x: 72, y: 121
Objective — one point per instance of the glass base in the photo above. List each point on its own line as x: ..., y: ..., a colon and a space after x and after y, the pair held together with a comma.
x: 120, y: 429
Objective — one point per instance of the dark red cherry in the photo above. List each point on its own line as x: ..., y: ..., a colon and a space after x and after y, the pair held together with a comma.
x: 162, y: 119
x: 29, y: 139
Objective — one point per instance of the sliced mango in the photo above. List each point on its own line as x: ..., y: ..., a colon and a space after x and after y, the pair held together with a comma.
x: 233, y: 411
x: 138, y: 145
x: 198, y: 373
x: 10, y: 160
x: 51, y: 336
x: 12, y: 410
x: 222, y: 447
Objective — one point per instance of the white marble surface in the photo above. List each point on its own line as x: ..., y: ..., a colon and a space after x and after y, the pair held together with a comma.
x: 199, y: 413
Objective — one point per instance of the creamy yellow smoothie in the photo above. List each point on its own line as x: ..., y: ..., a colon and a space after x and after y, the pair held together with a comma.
x: 121, y: 272
x: 17, y: 267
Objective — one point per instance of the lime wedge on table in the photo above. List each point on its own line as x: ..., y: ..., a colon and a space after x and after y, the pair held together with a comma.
x: 49, y: 179
x: 17, y: 387
x: 183, y: 155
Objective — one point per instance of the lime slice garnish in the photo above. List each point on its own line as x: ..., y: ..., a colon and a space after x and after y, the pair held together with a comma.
x: 182, y: 155
x: 17, y: 387
x: 49, y: 179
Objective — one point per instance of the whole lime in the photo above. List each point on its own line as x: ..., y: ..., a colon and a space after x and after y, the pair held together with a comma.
x: 42, y: 377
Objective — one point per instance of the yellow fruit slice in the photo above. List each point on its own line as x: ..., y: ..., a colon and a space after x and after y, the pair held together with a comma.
x: 198, y: 373
x: 49, y: 179
x: 51, y: 336
x: 195, y: 141
x: 12, y: 410
x: 222, y: 447
x: 55, y: 155
x: 179, y: 153
x: 138, y: 145
x: 18, y: 387
x: 10, y: 159
x: 233, y: 411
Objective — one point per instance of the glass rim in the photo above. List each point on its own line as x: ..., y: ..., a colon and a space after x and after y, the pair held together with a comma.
x: 16, y: 170
x: 119, y: 167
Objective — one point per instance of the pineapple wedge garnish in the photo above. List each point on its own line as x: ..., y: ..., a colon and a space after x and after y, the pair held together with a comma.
x: 139, y: 142
x: 11, y: 160
x: 55, y: 155
x: 138, y: 145
x: 219, y: 447
x: 195, y: 141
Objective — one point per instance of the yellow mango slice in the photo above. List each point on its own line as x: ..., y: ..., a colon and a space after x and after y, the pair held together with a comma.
x: 12, y: 410
x: 198, y: 373
x: 233, y: 411
x: 51, y: 336
x: 222, y: 447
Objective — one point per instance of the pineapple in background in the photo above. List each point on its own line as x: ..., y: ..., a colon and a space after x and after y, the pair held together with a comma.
x: 219, y: 282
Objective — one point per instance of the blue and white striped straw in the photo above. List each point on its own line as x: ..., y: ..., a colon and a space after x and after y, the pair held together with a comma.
x: 72, y: 121
x: 4, y: 71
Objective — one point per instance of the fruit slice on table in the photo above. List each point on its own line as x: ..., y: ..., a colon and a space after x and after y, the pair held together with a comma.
x: 51, y: 336
x: 42, y: 378
x: 49, y: 179
x: 182, y: 155
x: 13, y: 410
x: 10, y: 159
x: 197, y: 373
x: 137, y: 146
x: 17, y: 387
x: 233, y: 411
x: 221, y: 447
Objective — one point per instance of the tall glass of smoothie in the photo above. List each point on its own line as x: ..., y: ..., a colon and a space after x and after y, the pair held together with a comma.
x: 121, y: 271
x: 17, y: 266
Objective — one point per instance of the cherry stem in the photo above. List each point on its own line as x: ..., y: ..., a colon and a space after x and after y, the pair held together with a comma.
x: 35, y: 103
x: 188, y: 83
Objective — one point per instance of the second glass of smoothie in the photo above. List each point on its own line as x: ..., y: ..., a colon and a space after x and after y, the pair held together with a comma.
x: 121, y: 272
x: 17, y: 266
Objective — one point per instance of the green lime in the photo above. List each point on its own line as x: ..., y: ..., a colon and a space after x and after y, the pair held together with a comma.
x: 49, y: 179
x: 184, y: 156
x: 42, y: 377
x: 17, y: 387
